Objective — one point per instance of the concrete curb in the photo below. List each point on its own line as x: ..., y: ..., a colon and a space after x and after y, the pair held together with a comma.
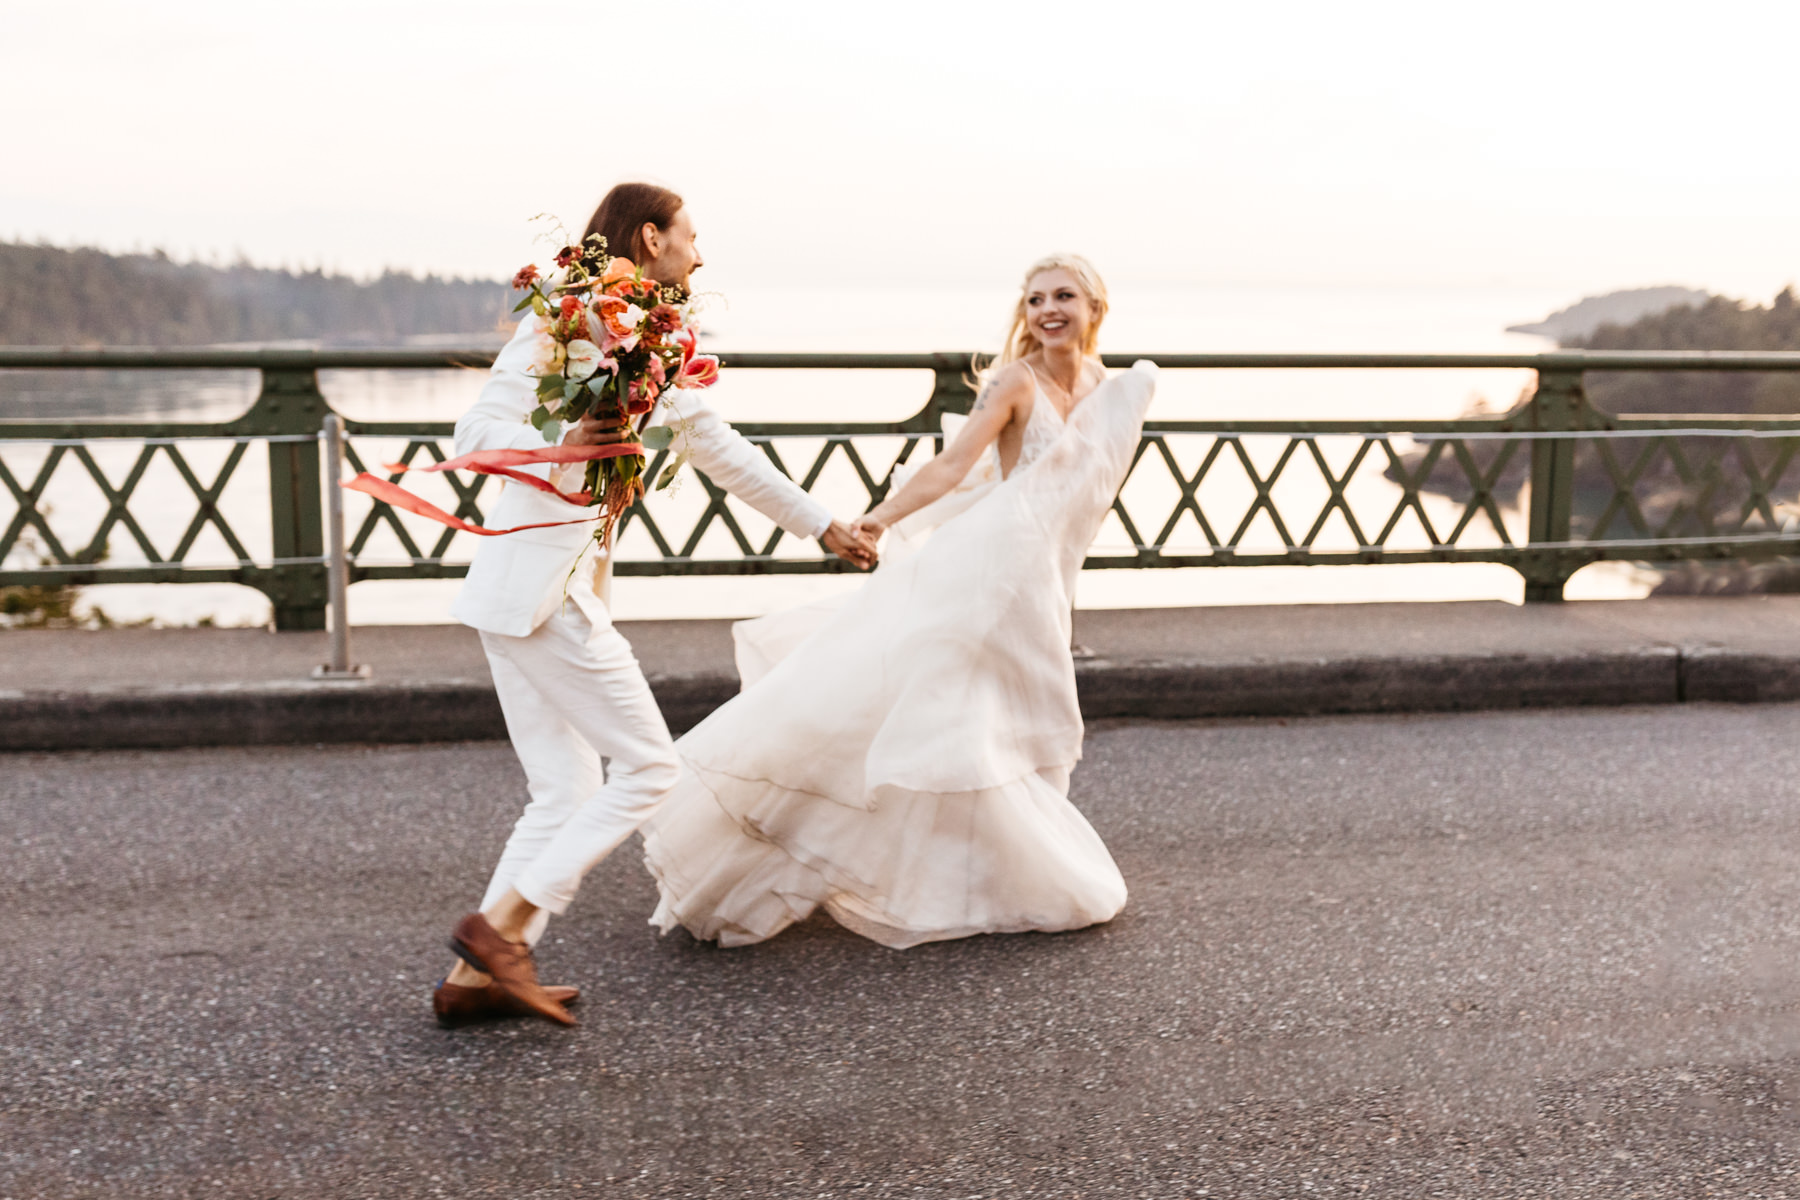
x: 248, y: 715
x: 455, y: 710
x: 294, y: 713
x: 1444, y: 683
x: 1738, y: 677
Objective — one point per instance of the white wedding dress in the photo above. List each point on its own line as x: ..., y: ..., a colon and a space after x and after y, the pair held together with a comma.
x: 905, y: 764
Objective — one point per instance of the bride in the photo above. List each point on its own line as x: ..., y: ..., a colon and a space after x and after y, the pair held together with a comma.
x: 905, y: 765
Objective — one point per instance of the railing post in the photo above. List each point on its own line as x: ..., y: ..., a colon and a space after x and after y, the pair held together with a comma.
x: 950, y: 392
x: 339, y: 560
x: 291, y: 403
x: 1558, y: 404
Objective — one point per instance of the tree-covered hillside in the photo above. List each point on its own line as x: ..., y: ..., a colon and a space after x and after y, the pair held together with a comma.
x: 1589, y: 313
x: 51, y: 296
x: 1706, y: 492
x: 1718, y: 324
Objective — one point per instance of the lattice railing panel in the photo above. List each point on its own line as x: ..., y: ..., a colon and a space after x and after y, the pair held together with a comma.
x: 1685, y: 487
x: 1191, y: 494
x: 1342, y: 494
x: 125, y: 503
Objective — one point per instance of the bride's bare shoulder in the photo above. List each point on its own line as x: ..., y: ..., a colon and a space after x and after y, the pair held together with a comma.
x: 1015, y: 374
x: 1006, y: 386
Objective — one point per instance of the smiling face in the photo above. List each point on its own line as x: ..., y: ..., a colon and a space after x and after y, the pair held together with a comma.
x: 672, y: 254
x: 1057, y: 311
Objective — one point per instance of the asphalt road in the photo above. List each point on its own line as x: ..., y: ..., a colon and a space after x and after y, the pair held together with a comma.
x: 1545, y: 954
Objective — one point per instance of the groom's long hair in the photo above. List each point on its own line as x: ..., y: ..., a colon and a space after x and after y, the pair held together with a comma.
x: 623, y: 213
x: 1020, y: 341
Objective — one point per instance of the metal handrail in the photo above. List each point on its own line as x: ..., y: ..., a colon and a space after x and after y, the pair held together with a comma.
x: 1546, y: 430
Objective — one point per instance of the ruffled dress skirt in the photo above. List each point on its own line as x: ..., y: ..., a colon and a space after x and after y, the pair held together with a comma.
x: 901, y: 759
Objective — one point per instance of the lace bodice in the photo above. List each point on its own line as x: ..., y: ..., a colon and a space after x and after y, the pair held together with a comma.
x: 1042, y: 430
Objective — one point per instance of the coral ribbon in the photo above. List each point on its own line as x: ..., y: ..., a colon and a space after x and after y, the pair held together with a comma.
x: 399, y: 497
x: 492, y: 462
x: 496, y: 462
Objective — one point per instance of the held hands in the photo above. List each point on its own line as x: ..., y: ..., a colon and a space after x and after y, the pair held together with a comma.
x: 853, y: 547
x: 869, y: 527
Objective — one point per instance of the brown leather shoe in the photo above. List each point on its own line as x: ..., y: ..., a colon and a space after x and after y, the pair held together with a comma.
x: 457, y: 1005
x: 480, y: 945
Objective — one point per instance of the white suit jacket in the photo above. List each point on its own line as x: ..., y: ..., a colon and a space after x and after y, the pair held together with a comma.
x: 516, y: 580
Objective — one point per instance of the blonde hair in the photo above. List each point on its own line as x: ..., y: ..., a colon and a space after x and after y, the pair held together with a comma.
x: 1020, y: 341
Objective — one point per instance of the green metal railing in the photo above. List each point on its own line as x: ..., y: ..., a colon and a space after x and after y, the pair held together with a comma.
x: 1671, y: 488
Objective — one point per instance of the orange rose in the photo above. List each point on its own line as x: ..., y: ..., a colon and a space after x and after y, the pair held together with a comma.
x: 617, y: 269
x: 621, y: 320
x: 617, y: 313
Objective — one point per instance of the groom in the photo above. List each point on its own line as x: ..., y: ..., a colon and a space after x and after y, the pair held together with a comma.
x: 569, y: 686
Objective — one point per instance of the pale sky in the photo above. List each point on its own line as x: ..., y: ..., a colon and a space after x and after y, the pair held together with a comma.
x: 1572, y: 145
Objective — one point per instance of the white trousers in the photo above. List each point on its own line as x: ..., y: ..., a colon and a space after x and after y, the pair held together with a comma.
x: 572, y: 693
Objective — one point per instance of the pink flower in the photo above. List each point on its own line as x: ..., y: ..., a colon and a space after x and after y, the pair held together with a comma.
x: 684, y: 337
x: 641, y: 398
x: 570, y: 320
x: 528, y: 275
x: 664, y: 319
x: 700, y: 371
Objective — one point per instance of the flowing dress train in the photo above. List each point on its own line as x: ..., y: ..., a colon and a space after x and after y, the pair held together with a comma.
x: 905, y: 765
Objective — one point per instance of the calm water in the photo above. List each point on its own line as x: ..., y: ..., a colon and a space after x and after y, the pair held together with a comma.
x: 1173, y: 320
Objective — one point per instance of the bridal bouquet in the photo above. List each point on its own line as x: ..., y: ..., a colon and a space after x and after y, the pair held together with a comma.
x: 609, y: 343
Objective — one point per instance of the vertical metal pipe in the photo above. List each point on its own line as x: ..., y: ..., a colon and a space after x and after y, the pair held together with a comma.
x: 339, y: 565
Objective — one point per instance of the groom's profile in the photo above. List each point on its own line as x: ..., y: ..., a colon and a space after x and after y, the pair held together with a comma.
x: 569, y: 686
